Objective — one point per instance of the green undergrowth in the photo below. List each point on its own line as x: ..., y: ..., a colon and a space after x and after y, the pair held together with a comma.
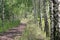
x: 7, y: 25
x: 33, y: 32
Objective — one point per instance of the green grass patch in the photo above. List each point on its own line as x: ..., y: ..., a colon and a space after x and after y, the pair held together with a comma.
x: 32, y: 32
x: 7, y: 25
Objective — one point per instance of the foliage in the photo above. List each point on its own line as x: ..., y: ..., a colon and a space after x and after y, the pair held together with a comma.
x: 35, y: 13
x: 9, y: 25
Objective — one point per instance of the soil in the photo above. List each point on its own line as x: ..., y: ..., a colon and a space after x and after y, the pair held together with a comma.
x: 12, y: 33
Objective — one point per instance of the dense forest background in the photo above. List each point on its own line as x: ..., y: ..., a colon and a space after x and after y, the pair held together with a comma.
x: 42, y: 18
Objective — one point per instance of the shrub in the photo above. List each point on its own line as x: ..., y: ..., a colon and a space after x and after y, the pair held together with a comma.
x: 8, y: 25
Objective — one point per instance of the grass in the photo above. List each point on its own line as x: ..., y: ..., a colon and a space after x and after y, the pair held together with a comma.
x: 32, y: 31
x: 7, y: 25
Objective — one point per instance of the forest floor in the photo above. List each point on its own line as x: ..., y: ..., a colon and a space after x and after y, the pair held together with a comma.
x: 17, y: 32
x: 14, y: 33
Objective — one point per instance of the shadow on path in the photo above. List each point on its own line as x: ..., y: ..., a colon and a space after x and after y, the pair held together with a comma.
x: 11, y: 33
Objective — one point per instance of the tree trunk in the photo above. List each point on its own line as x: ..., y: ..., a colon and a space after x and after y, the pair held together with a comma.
x: 3, y: 12
x: 1, y: 9
x: 51, y: 18
x: 35, y: 12
x: 56, y: 19
x: 59, y: 19
x: 40, y: 3
x: 25, y: 8
x: 46, y: 29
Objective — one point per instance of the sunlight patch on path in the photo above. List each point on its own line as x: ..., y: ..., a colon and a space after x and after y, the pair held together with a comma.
x: 24, y: 20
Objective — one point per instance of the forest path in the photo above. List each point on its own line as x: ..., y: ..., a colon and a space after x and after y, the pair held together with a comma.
x: 12, y: 33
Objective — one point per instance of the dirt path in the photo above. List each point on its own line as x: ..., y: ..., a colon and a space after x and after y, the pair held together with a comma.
x: 12, y: 33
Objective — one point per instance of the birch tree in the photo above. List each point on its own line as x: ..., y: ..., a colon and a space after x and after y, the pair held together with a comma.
x: 51, y: 18
x: 40, y: 8
x: 35, y: 12
x: 3, y: 1
x: 46, y: 29
x: 55, y: 18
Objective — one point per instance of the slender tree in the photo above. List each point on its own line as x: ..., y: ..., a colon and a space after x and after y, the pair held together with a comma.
x: 51, y: 18
x: 59, y: 19
x: 55, y: 17
x: 40, y: 4
x: 35, y: 12
x: 46, y: 29
x: 3, y: 9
